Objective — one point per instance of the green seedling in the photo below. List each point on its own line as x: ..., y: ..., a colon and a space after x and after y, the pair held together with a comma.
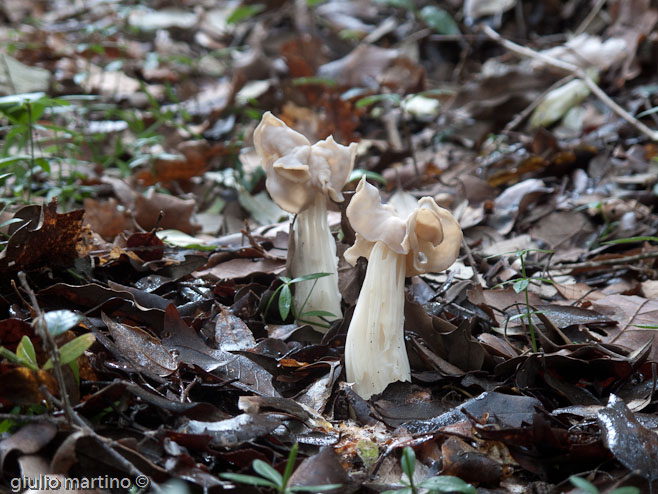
x: 521, y: 285
x: 57, y: 322
x: 286, y: 305
x: 268, y: 476
x: 368, y: 452
x: 440, y: 483
x: 589, y: 488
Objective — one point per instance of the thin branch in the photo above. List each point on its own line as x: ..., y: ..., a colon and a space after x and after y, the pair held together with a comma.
x: 575, y: 71
x: 48, y: 340
x: 618, y: 261
x: 32, y: 418
x: 530, y: 108
x: 590, y: 17
x: 105, y: 443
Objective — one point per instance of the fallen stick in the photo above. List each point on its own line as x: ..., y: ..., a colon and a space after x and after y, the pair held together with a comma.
x: 575, y: 71
x: 618, y: 261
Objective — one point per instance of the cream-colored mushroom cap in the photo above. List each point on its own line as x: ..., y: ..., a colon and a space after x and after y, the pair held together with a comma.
x: 296, y: 170
x: 429, y: 236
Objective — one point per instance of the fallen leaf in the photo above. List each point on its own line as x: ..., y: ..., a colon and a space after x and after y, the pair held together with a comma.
x: 633, y: 445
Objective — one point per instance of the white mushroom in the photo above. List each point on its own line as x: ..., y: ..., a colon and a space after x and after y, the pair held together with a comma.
x: 397, y: 245
x: 300, y: 177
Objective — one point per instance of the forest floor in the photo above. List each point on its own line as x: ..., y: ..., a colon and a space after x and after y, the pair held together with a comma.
x: 148, y: 331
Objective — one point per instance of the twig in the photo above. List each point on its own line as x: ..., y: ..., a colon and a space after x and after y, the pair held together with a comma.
x: 636, y: 312
x: 51, y: 346
x: 575, y: 71
x: 590, y: 17
x: 105, y: 443
x: 31, y: 418
x: 606, y: 262
x: 469, y: 256
x: 528, y: 109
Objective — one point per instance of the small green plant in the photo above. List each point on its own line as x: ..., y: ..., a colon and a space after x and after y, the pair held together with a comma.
x: 589, y: 488
x: 285, y: 300
x: 440, y: 483
x: 269, y: 477
x: 18, y: 153
x: 57, y: 323
x: 521, y: 285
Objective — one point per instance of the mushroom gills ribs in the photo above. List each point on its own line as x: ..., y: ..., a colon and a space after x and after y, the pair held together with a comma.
x: 313, y: 238
x: 375, y: 354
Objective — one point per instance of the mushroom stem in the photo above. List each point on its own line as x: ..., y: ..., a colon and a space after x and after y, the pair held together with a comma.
x: 375, y: 355
x: 315, y: 252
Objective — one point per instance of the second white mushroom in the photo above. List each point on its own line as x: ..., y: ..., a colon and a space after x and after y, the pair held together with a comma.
x: 301, y: 178
x: 397, y: 244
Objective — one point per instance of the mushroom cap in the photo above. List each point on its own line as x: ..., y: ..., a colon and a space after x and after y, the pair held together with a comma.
x: 296, y: 170
x: 429, y: 236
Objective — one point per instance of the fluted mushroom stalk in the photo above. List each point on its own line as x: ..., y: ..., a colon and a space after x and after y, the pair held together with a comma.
x: 301, y: 178
x: 397, y: 245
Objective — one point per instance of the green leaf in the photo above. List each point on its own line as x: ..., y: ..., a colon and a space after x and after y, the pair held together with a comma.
x: 322, y: 81
x: 244, y: 12
x: 43, y: 163
x: 14, y: 159
x: 25, y: 353
x: 314, y: 488
x: 60, y: 321
x: 356, y: 175
x: 248, y: 479
x: 626, y: 490
x: 439, y: 20
x: 447, y: 483
x: 631, y: 240
x: 405, y: 490
x: 318, y: 313
x: 75, y: 368
x: 402, y: 4
x: 268, y: 472
x: 584, y: 485
x: 72, y: 350
x: 11, y: 101
x: 408, y: 462
x: 180, y: 239
x: 9, y: 355
x: 306, y: 277
x: 521, y: 285
x: 290, y: 464
x: 285, y: 301
x: 376, y: 98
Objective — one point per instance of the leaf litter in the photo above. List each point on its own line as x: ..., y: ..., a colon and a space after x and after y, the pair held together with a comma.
x: 165, y: 246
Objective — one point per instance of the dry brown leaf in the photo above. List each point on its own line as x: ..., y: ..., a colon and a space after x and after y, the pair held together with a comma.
x: 107, y: 218
x: 177, y: 213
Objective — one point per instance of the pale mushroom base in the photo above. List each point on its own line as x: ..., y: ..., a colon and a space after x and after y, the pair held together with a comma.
x: 375, y: 355
x: 315, y: 252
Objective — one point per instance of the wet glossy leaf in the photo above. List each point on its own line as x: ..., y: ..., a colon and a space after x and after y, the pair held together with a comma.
x: 60, y: 321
